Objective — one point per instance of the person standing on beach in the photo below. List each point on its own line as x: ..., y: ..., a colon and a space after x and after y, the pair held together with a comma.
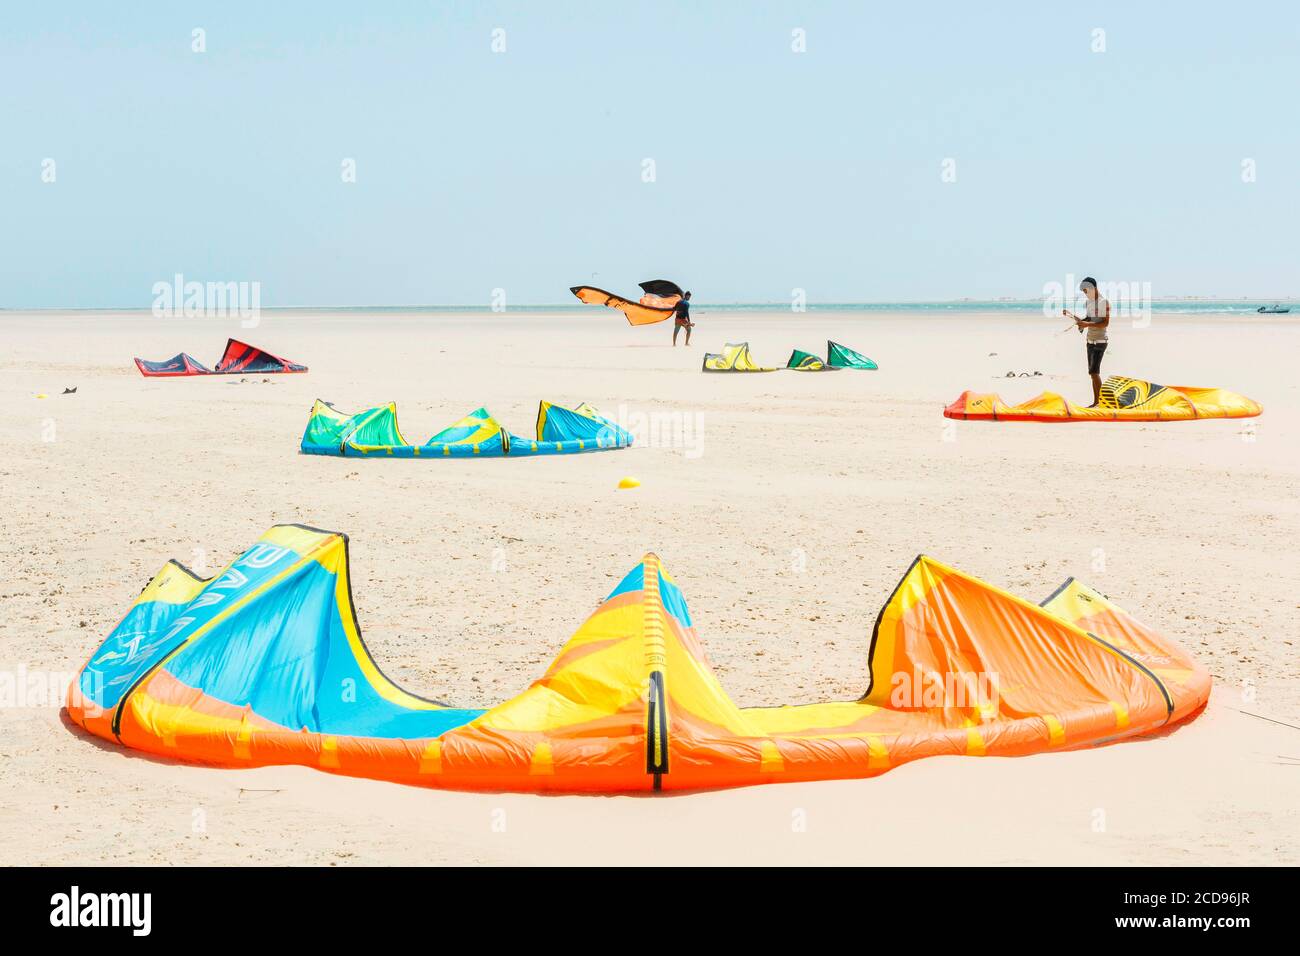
x: 1095, y: 321
x: 682, y: 318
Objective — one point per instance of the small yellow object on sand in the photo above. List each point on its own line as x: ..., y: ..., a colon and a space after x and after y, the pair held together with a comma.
x: 41, y: 395
x: 629, y: 483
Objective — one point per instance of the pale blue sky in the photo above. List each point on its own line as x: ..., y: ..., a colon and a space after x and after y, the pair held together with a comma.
x: 522, y: 170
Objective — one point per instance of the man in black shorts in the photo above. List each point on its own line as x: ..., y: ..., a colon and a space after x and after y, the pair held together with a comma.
x: 1095, y: 322
x: 682, y: 318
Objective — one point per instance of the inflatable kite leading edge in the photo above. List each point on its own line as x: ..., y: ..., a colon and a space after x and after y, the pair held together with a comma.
x: 374, y: 433
x: 239, y: 357
x: 264, y: 663
x: 1122, y: 400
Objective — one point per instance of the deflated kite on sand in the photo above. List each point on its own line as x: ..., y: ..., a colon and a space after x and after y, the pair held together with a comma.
x: 264, y: 663
x: 656, y: 304
x: 1122, y: 400
x: 734, y: 357
x: 807, y: 362
x: 374, y: 433
x: 238, y: 358
x: 841, y: 356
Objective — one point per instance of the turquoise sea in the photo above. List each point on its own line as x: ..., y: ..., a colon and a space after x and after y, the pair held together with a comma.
x: 1034, y: 306
x: 700, y: 304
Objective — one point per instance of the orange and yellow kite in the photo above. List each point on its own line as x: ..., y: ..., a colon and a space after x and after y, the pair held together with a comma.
x: 1122, y: 400
x: 657, y: 304
x: 264, y: 663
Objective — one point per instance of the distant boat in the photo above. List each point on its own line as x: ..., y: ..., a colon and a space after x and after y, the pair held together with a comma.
x: 1274, y: 309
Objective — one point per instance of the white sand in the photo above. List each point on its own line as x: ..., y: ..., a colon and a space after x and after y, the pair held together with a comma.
x: 811, y: 496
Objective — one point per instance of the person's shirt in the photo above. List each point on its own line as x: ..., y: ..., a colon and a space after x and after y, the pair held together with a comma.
x: 1098, y: 309
x: 682, y: 311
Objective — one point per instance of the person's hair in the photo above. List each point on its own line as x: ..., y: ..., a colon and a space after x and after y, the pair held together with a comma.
x: 1088, y: 280
x: 686, y: 296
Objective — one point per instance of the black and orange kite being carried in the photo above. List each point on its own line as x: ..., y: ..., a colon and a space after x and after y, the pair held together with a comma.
x: 1122, y: 400
x: 243, y: 669
x: 657, y: 304
x: 239, y: 358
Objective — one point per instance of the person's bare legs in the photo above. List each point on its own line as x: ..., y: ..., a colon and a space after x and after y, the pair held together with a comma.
x: 688, y: 334
x: 1096, y: 389
x: 676, y: 329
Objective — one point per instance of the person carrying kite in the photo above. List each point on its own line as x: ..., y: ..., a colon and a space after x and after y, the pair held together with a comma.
x: 682, y: 318
x: 1095, y: 321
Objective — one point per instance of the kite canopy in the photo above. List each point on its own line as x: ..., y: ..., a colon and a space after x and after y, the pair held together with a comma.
x: 661, y: 294
x: 1122, y: 400
x: 734, y: 357
x: 182, y: 364
x: 661, y: 288
x: 374, y: 433
x: 239, y: 357
x: 265, y: 664
x: 807, y: 362
x: 841, y: 356
x: 637, y: 313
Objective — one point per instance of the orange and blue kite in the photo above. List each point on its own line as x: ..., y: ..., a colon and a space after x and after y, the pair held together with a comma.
x: 264, y: 663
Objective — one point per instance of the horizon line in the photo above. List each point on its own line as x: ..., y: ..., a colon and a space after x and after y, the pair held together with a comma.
x: 1004, y: 300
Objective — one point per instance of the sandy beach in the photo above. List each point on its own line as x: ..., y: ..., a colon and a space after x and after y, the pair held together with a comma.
x: 787, y: 506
